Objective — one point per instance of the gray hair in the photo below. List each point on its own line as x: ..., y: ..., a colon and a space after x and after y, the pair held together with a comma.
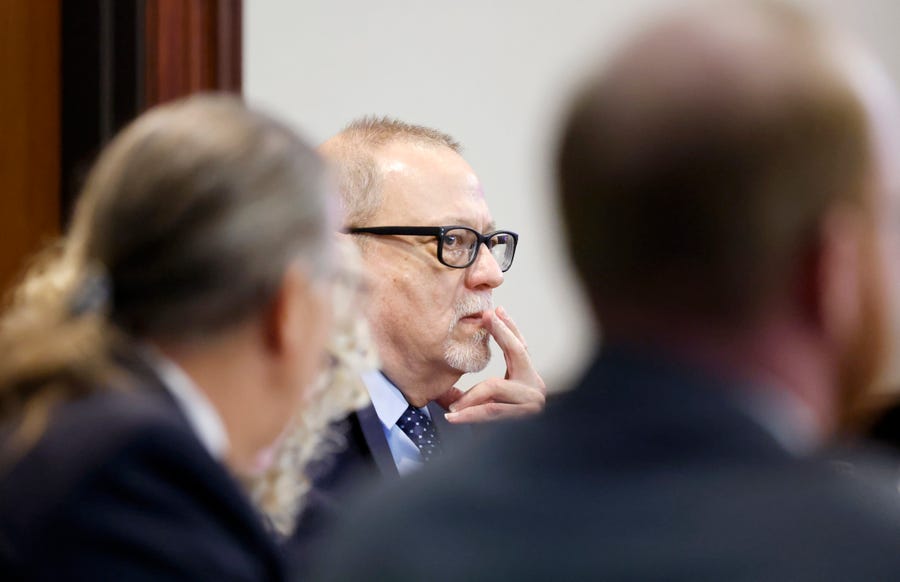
x: 195, y: 211
x: 185, y: 227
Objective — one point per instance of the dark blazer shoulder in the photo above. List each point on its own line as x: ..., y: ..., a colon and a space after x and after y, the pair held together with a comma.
x: 361, y: 452
x: 120, y: 487
x: 80, y: 439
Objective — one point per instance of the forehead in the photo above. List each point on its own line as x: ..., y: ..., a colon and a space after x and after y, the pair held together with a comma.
x: 425, y: 185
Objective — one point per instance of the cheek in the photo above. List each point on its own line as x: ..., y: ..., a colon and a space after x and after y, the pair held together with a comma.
x: 311, y: 353
x: 890, y: 265
x: 415, y: 300
x: 442, y: 297
x: 425, y: 296
x: 321, y: 331
x: 888, y: 237
x: 884, y: 320
x: 887, y: 263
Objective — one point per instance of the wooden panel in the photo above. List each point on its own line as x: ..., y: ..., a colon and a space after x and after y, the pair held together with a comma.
x: 120, y: 57
x: 229, y: 31
x: 29, y: 117
x: 191, y: 45
x: 102, y: 82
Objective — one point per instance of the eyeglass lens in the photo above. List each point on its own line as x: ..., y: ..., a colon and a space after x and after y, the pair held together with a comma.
x: 461, y: 244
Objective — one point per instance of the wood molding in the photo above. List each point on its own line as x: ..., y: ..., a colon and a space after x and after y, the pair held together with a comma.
x: 30, y: 118
x: 120, y: 57
x: 190, y: 46
x: 102, y: 72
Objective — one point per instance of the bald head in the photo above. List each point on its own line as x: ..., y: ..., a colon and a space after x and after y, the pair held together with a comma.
x: 697, y: 165
x: 354, y: 155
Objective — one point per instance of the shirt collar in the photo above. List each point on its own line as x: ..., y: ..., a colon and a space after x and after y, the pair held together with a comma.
x: 200, y: 412
x: 389, y: 402
x: 785, y: 416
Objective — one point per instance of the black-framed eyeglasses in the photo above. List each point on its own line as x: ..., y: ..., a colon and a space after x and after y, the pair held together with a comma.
x: 458, y: 246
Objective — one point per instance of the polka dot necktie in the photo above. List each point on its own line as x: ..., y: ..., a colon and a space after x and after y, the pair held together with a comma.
x: 419, y: 428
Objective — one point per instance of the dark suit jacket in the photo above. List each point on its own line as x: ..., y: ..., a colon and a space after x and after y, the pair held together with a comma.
x: 120, y: 488
x: 363, y: 461
x: 649, y: 470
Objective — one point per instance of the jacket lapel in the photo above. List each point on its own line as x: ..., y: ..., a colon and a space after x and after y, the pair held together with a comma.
x: 451, y: 435
x: 373, y: 433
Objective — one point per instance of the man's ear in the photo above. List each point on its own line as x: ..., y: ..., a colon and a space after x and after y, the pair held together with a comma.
x: 833, y: 285
x: 290, y: 308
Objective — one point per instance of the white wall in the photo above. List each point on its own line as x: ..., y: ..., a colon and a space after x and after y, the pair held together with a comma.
x: 495, y: 74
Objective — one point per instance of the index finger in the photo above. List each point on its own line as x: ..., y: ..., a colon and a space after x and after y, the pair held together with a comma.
x: 511, y: 325
x: 518, y: 362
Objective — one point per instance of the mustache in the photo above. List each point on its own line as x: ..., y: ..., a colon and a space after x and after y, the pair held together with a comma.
x: 472, y: 304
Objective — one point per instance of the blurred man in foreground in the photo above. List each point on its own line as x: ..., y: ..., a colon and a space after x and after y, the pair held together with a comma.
x: 729, y: 183
x: 163, y: 351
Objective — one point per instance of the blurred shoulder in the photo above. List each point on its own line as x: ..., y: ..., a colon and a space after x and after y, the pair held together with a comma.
x: 86, y: 438
x: 101, y: 424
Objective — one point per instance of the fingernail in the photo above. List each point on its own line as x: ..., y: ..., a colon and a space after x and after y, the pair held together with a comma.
x: 502, y: 312
x: 453, y: 407
x: 450, y: 415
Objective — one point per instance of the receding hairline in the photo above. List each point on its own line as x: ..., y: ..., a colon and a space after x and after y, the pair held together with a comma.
x: 354, y: 156
x: 375, y: 131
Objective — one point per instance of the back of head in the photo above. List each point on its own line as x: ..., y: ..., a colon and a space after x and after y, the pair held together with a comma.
x: 185, y: 228
x: 697, y: 165
x: 353, y: 152
x: 195, y: 211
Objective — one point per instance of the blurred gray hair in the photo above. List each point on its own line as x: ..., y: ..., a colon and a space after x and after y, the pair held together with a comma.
x: 186, y: 227
x: 196, y: 210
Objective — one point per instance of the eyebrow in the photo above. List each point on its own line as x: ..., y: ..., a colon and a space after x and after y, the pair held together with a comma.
x: 492, y: 226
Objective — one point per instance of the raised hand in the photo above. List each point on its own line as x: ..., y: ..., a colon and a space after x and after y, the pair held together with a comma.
x: 521, y: 392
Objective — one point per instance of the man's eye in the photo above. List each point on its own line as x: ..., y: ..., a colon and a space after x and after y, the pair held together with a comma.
x: 452, y: 241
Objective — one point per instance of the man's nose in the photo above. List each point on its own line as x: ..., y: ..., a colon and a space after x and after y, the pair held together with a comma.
x: 485, y: 272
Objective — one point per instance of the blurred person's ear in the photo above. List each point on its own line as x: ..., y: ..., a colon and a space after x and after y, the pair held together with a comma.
x: 297, y: 324
x: 833, y: 284
x: 850, y: 304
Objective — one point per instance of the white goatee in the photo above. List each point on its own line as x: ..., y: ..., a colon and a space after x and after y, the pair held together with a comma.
x: 473, y: 353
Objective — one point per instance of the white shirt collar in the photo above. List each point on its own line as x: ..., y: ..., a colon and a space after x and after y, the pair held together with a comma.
x: 785, y: 416
x: 390, y: 404
x: 200, y: 412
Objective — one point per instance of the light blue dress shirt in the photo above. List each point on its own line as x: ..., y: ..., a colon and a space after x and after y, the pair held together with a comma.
x: 390, y: 404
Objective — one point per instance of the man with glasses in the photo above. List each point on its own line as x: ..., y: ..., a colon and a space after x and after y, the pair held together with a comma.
x: 434, y: 256
x: 730, y: 184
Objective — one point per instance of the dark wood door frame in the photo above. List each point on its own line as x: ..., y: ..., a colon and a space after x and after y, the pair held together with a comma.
x: 29, y: 118
x: 120, y: 57
x: 191, y: 46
